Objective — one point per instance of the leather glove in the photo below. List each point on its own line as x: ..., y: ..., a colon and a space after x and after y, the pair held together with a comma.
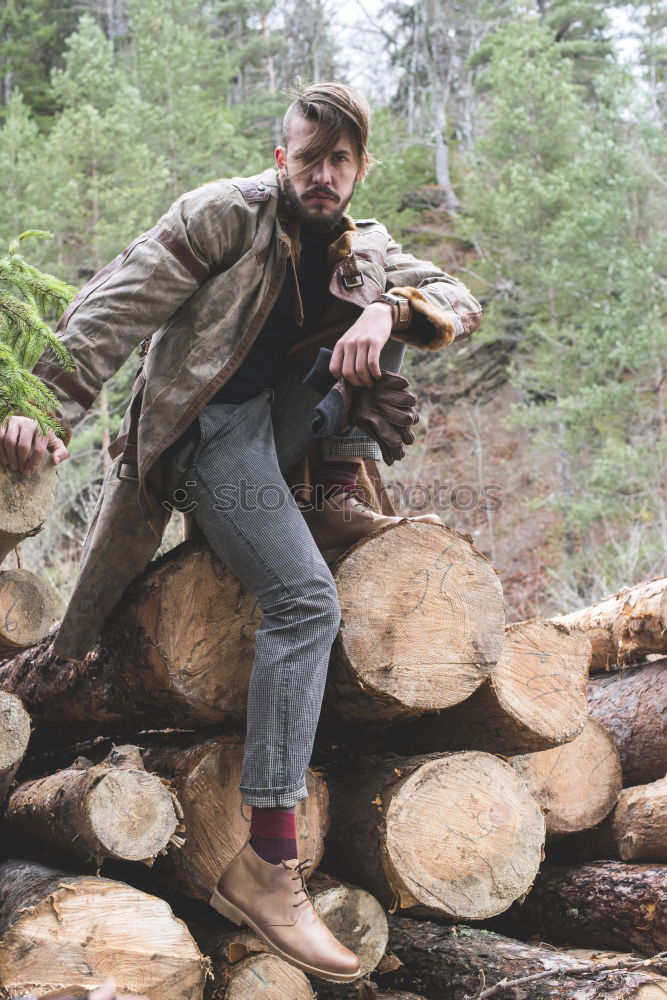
x: 385, y: 410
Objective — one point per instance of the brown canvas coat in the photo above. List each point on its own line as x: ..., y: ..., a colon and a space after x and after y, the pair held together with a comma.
x: 200, y: 285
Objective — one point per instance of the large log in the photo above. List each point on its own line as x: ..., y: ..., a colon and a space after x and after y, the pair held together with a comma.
x: 636, y: 830
x: 109, y: 810
x: 422, y: 624
x: 178, y: 650
x: 606, y: 904
x: 632, y: 706
x: 59, y: 929
x: 28, y: 608
x: 24, y: 504
x: 626, y: 627
x: 577, y: 784
x: 422, y: 627
x: 205, y: 775
x: 14, y: 737
x: 458, y: 834
x: 443, y: 962
x: 534, y: 699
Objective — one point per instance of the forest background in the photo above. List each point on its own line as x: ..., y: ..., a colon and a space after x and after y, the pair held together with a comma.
x: 522, y: 146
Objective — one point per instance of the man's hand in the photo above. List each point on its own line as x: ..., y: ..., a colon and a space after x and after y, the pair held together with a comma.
x: 22, y: 447
x: 356, y: 355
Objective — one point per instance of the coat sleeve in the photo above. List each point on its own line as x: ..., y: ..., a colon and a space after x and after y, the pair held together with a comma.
x: 443, y: 309
x: 135, y: 294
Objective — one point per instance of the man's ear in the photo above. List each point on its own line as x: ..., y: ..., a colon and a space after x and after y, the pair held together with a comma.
x: 363, y: 169
x: 281, y: 157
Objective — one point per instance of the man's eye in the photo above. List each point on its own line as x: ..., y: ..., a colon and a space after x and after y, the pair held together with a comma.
x: 341, y: 157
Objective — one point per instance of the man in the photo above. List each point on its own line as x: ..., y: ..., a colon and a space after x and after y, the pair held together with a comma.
x: 246, y: 280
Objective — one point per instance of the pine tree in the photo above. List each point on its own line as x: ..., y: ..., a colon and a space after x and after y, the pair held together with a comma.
x: 27, y: 297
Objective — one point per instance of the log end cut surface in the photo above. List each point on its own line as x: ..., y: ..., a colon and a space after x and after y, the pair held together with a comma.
x: 87, y: 928
x: 28, y: 609
x: 132, y: 814
x: 541, y: 678
x: 14, y: 731
x: 356, y: 918
x: 24, y: 503
x: 422, y: 614
x: 577, y: 784
x: 463, y: 836
x: 264, y: 977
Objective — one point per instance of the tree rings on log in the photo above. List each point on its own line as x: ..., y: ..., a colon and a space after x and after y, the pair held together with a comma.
x: 353, y: 916
x: 534, y: 699
x: 59, y: 929
x: 28, y: 608
x: 14, y: 737
x: 458, y: 835
x: 577, y: 784
x: 97, y: 811
x: 25, y: 504
x: 422, y: 623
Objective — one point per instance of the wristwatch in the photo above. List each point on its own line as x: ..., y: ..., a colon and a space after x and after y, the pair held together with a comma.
x: 401, y: 309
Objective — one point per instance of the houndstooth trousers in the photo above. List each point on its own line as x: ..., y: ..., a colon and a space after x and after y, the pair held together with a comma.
x: 228, y: 471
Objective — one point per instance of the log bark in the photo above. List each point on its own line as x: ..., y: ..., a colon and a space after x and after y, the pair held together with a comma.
x: 632, y: 706
x: 59, y: 929
x: 205, y: 776
x: 458, y: 835
x: 422, y: 624
x: 626, y: 627
x: 606, y: 904
x: 14, y: 737
x: 635, y: 831
x: 534, y: 699
x: 96, y: 811
x: 178, y: 650
x: 244, y: 969
x: 28, y: 608
x: 24, y: 504
x: 577, y: 784
x: 448, y: 962
x: 353, y: 916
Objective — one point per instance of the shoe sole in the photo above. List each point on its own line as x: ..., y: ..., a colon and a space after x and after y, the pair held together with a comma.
x: 238, y: 917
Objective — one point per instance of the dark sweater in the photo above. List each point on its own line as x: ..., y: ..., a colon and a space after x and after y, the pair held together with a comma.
x: 267, y: 358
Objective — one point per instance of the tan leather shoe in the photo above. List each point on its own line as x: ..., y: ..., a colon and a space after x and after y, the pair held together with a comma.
x: 265, y: 897
x: 344, y: 518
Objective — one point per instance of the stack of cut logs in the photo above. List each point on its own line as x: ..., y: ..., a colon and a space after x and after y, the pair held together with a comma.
x: 451, y: 749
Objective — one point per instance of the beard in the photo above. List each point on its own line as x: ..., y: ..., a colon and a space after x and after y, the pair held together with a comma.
x: 313, y: 220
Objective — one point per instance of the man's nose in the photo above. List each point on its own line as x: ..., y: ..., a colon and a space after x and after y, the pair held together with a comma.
x: 322, y: 173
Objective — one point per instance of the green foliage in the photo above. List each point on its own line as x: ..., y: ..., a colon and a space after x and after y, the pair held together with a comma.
x: 563, y: 207
x: 25, y: 334
x: 32, y: 36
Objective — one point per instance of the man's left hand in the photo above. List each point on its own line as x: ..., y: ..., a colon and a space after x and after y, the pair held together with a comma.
x: 356, y: 355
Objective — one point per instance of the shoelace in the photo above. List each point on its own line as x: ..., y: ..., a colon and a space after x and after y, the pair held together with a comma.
x: 300, y: 869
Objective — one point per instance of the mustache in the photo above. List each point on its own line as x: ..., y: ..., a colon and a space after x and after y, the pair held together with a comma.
x: 325, y: 192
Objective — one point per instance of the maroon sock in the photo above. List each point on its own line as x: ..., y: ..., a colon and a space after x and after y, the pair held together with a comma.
x: 336, y: 477
x: 273, y: 834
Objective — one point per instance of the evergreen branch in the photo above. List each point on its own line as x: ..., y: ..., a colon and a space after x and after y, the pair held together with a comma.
x: 28, y: 234
x: 47, y: 291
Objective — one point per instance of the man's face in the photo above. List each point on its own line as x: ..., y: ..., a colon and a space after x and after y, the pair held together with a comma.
x: 319, y: 195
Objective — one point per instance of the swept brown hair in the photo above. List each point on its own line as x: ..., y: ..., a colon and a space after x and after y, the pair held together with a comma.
x: 336, y: 108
